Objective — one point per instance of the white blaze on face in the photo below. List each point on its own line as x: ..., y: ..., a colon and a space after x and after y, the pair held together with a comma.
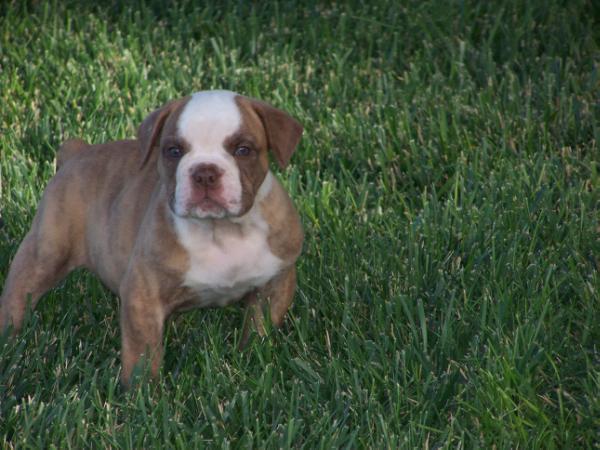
x: 206, y: 121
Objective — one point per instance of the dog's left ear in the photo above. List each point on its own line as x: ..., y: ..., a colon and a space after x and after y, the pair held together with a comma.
x: 149, y: 131
x: 283, y: 131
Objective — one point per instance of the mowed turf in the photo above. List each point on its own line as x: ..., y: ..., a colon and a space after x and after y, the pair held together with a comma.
x: 448, y: 181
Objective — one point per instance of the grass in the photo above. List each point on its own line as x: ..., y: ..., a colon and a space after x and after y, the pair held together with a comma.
x: 448, y: 181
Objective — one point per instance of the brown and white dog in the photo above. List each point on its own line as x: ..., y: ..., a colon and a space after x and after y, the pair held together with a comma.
x: 188, y: 215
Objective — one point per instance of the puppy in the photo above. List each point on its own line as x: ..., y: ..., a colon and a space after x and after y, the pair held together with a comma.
x: 188, y: 215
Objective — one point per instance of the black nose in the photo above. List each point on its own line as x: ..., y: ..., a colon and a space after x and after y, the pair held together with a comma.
x: 206, y: 175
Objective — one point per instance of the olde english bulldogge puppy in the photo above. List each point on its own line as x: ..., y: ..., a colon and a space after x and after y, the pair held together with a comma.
x: 188, y: 215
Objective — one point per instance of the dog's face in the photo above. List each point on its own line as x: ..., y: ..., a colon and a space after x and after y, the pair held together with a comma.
x: 212, y: 151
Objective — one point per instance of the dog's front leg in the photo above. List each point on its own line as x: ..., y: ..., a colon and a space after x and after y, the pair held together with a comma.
x: 278, y: 294
x: 142, y: 323
x: 254, y: 317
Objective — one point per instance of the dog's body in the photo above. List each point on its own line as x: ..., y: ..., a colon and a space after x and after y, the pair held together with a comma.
x: 188, y: 215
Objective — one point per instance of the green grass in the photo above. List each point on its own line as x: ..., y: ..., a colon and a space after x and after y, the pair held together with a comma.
x: 449, y: 186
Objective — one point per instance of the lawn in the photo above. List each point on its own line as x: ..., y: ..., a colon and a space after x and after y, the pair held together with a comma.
x: 449, y: 185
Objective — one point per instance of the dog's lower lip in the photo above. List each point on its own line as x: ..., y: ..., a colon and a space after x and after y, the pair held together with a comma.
x: 206, y: 204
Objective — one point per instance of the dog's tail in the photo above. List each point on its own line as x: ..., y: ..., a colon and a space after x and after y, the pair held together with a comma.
x: 69, y: 148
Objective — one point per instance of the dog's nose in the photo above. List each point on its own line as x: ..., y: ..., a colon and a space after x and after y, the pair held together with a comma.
x: 206, y: 175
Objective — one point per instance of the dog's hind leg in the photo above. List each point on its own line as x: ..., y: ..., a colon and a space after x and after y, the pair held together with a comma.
x: 46, y: 256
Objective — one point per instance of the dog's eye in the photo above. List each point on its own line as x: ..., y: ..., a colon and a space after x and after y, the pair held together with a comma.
x: 242, y: 151
x: 173, y: 152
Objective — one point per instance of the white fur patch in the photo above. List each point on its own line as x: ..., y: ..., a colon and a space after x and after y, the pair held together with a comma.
x: 206, y: 121
x: 228, y: 258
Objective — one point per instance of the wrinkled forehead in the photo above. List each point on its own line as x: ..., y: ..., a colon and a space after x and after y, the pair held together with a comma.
x: 208, y: 119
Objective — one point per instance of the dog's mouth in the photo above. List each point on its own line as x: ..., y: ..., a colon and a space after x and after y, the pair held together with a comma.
x: 205, y: 207
x: 210, y: 206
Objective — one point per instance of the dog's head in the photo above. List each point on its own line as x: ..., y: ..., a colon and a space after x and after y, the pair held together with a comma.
x: 212, y: 150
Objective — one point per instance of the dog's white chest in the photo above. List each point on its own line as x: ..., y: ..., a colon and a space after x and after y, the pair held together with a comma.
x: 226, y: 262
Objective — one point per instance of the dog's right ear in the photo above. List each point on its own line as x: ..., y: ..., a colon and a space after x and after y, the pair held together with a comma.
x: 149, y: 131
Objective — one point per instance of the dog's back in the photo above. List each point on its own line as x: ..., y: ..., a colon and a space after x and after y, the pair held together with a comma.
x: 69, y: 148
x: 107, y: 191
